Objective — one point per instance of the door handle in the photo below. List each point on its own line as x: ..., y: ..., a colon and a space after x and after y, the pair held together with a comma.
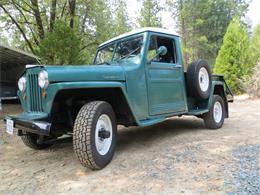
x: 176, y: 66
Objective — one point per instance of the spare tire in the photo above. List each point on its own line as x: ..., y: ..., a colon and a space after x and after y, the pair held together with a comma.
x: 199, y: 79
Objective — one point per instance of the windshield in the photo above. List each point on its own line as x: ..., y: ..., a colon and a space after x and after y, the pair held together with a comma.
x: 128, y: 50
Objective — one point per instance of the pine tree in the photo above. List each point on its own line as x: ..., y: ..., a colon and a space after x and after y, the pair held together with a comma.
x: 149, y: 14
x: 255, y: 45
x: 233, y: 59
x: 121, y: 18
x: 102, y: 20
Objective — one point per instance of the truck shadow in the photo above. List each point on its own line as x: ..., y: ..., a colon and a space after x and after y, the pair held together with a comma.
x: 131, y: 136
x: 154, y: 134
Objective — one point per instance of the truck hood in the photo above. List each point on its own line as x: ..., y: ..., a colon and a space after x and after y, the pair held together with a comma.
x: 85, y: 73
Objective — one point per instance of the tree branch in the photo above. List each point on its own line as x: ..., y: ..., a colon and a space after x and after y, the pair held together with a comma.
x: 26, y: 22
x: 20, y: 29
x: 90, y: 44
x: 21, y: 7
x: 63, y: 9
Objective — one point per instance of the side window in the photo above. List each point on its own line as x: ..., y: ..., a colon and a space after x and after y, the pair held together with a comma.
x: 152, y: 49
x: 155, y: 43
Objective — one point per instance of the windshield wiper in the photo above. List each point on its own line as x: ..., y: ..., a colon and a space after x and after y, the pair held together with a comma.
x: 127, y: 56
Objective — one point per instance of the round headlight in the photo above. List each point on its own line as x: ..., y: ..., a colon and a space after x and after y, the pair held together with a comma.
x: 43, y: 79
x: 22, y: 84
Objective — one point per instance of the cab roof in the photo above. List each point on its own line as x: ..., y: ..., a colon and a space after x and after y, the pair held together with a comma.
x: 140, y: 30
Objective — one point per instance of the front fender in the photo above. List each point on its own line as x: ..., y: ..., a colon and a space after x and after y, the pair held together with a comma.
x: 55, y: 88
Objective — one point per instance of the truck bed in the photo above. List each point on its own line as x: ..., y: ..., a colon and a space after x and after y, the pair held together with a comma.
x: 198, y: 107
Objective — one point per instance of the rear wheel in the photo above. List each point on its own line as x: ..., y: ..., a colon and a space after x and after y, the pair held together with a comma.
x: 94, y: 134
x: 214, y: 119
x: 35, y: 141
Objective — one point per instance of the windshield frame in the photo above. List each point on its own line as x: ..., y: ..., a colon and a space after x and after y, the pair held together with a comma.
x: 116, y: 42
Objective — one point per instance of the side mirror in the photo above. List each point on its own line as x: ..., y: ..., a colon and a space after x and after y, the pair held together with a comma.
x: 161, y: 51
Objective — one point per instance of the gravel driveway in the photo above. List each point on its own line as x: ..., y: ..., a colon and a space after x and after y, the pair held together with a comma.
x: 178, y: 156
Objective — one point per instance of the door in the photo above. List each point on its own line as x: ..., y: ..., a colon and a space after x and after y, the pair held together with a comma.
x: 165, y: 78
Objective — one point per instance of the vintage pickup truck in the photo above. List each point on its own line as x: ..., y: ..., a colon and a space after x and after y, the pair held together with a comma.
x: 137, y: 79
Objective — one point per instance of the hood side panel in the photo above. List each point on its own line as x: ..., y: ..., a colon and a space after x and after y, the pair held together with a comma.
x: 85, y: 73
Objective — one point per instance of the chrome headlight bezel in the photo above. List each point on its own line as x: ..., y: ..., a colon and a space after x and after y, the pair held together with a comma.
x: 43, y: 80
x: 22, y: 84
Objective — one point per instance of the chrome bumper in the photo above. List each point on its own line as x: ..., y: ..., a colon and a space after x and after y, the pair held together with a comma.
x: 36, y: 127
x: 9, y: 98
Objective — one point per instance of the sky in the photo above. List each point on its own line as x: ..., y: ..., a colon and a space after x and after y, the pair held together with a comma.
x: 254, y: 12
x: 134, y: 8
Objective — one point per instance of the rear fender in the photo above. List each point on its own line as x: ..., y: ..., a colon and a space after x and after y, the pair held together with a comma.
x: 218, y: 89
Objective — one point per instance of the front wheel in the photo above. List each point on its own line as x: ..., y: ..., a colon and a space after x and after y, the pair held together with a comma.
x: 214, y: 119
x: 35, y: 141
x: 94, y: 134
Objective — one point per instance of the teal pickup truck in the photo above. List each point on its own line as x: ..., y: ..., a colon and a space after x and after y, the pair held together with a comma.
x: 137, y: 79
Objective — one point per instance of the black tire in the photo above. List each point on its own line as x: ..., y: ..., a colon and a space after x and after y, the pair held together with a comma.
x: 32, y: 141
x: 84, y: 142
x: 193, y: 80
x: 209, y: 119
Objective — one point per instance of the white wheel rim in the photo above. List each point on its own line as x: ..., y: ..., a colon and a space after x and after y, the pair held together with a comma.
x: 203, y: 79
x: 217, y: 112
x: 103, y: 144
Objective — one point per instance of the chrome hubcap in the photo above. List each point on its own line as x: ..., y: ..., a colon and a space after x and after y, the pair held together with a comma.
x: 203, y: 79
x: 103, y: 134
x: 217, y: 112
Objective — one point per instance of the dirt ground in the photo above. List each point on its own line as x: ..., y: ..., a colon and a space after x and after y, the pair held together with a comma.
x: 178, y: 156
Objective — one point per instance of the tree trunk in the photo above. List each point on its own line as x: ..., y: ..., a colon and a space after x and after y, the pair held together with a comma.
x: 72, y: 6
x: 38, y: 18
x: 52, y: 14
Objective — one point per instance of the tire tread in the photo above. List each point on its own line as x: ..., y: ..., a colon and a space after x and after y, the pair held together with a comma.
x: 81, y: 135
x: 208, y: 117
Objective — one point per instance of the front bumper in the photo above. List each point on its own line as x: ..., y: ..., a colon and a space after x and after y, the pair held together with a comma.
x: 36, y: 127
x: 9, y: 98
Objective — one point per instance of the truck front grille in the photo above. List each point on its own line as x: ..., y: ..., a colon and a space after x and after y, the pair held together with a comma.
x: 34, y: 93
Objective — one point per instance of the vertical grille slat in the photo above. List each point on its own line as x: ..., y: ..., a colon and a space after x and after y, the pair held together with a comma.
x: 36, y: 94
x: 35, y: 100
x: 31, y: 94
